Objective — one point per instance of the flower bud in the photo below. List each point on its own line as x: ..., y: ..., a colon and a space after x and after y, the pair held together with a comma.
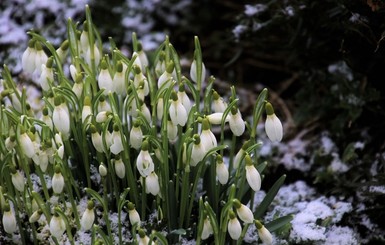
x: 244, y: 213
x: 18, y: 180
x: 263, y: 233
x: 152, y: 184
x: 57, y: 181
x: 57, y: 226
x: 234, y: 226
x: 222, y: 171
x: 207, y: 229
x: 88, y: 217
x: 9, y: 220
x: 237, y: 125
x: 273, y: 125
x: 102, y: 170
x: 252, y: 175
x: 133, y: 215
x: 177, y: 111
x: 120, y: 168
x: 35, y: 216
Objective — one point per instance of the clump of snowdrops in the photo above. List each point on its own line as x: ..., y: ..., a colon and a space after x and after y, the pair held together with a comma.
x: 125, y: 135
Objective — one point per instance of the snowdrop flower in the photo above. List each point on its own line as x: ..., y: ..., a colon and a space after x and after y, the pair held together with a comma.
x: 218, y: 105
x: 35, y: 216
x: 41, y: 158
x: 10, y: 142
x: 237, y: 125
x: 28, y: 57
x: 177, y: 112
x: 144, y: 162
x: 9, y: 220
x: 198, y: 151
x: 160, y: 65
x: 102, y: 116
x: 159, y: 108
x: 234, y: 226
x: 40, y: 57
x: 87, y: 110
x: 140, y: 80
x: 136, y: 60
x: 240, y: 154
x: 102, y: 170
x: 207, y: 229
x: 88, y: 216
x: 57, y: 226
x: 77, y: 88
x: 252, y: 175
x: 145, y: 111
x: 46, y: 77
x: 84, y: 42
x: 103, y: 104
x: 57, y: 181
x: 104, y: 78
x: 142, y: 57
x: 63, y: 50
x: 60, y: 116
x: 152, y: 184
x: 96, y: 139
x: 15, y: 101
x: 120, y: 168
x: 273, y: 125
x: 244, y: 212
x: 183, y: 97
x: 117, y: 145
x: 18, y: 180
x: 194, y: 72
x: 118, y: 84
x: 166, y: 76
x: 172, y: 131
x: 263, y: 233
x: 221, y: 170
x: 143, y: 238
x: 26, y: 145
x: 207, y: 137
x: 46, y: 118
x: 133, y: 215
x: 136, y: 135
x: 216, y: 118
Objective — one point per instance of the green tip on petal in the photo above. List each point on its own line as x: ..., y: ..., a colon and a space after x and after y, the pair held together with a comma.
x: 49, y: 63
x: 137, y: 69
x: 237, y: 203
x: 57, y: 169
x: 174, y: 96
x: 170, y: 67
x: 258, y: 224
x: 269, y: 108
x: 130, y: 206
x: 197, y: 139
x: 103, y: 64
x: 65, y: 45
x: 90, y: 204
x: 145, y: 145
x: 205, y: 124
x: 248, y: 160
x: 87, y: 101
x: 119, y: 67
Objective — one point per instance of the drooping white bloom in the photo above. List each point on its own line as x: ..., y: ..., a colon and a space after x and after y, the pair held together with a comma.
x: 136, y: 136
x: 117, y: 145
x: 18, y: 180
x: 73, y: 71
x: 119, y: 85
x: 104, y: 79
x: 243, y: 212
x: 60, y: 117
x: 207, y: 137
x: 234, y: 227
x: 103, y: 104
x: 63, y: 50
x: 102, y: 116
x: 77, y: 88
x: 218, y: 105
x: 15, y: 101
x: 194, y: 72
x: 133, y: 215
x: 172, y: 131
x: 207, y: 229
x: 57, y: 226
x: 26, y: 145
x: 84, y: 41
x: 183, y: 97
x: 166, y: 76
x: 28, y: 57
x: 46, y: 77
x: 102, y: 170
x: 159, y: 109
x: 88, y: 57
x: 273, y: 125
x: 35, y: 216
x: 144, y: 162
x: 143, y: 239
x: 88, y: 217
x: 216, y: 118
x: 237, y: 125
x: 46, y: 118
x: 9, y: 220
x: 252, y: 175
x: 146, y: 112
x: 263, y: 233
x: 10, y: 143
x: 87, y: 110
x: 140, y: 80
x: 57, y: 181
x: 221, y: 170
x: 160, y: 65
x: 198, y: 151
x: 152, y: 184
x: 142, y: 57
x: 137, y: 61
x: 40, y: 57
x: 177, y: 111
x: 120, y: 168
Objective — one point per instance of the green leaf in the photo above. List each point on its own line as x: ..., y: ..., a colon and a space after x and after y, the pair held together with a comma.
x: 279, y: 223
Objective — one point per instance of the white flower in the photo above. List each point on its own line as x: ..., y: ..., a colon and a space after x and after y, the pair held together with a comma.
x: 103, y: 104
x: 263, y: 233
x: 144, y: 162
x: 252, y: 175
x: 183, y: 97
x: 172, y: 131
x: 57, y: 226
x: 137, y: 61
x: 102, y: 116
x: 46, y: 118
x: 46, y: 77
x: 237, y: 125
x: 207, y: 229
x: 96, y: 56
x: 18, y: 180
x: 40, y: 57
x: 207, y: 137
x: 63, y: 50
x: 119, y: 85
x: 198, y: 151
x: 35, y: 216
x: 133, y: 215
x: 136, y: 136
x: 273, y: 125
x: 166, y: 77
x: 60, y: 117
x: 88, y: 217
x: 117, y: 145
x: 234, y: 227
x: 216, y: 118
x: 84, y: 42
x: 26, y: 145
x: 142, y: 57
x: 15, y: 101
x: 9, y: 220
x: 102, y: 170
x: 194, y: 72
x: 140, y: 80
x: 146, y: 112
x: 160, y: 65
x: 105, y: 79
x: 222, y: 171
x: 28, y: 57
x: 159, y: 109
x: 152, y: 184
x: 177, y: 112
x: 120, y: 168
x: 244, y: 212
x: 87, y: 110
x: 77, y: 88
x: 57, y: 181
x: 10, y: 143
x: 218, y: 105
x: 73, y: 72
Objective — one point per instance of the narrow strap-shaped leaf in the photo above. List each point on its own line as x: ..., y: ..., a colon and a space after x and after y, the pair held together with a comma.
x: 279, y: 222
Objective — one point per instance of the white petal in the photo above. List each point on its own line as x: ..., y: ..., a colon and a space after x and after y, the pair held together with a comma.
x: 222, y: 173
x: 234, y: 228
x: 265, y: 235
x: 9, y: 222
x: 245, y: 214
x: 273, y: 128
x: 253, y: 178
x: 120, y: 169
x: 87, y: 219
x: 237, y: 125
